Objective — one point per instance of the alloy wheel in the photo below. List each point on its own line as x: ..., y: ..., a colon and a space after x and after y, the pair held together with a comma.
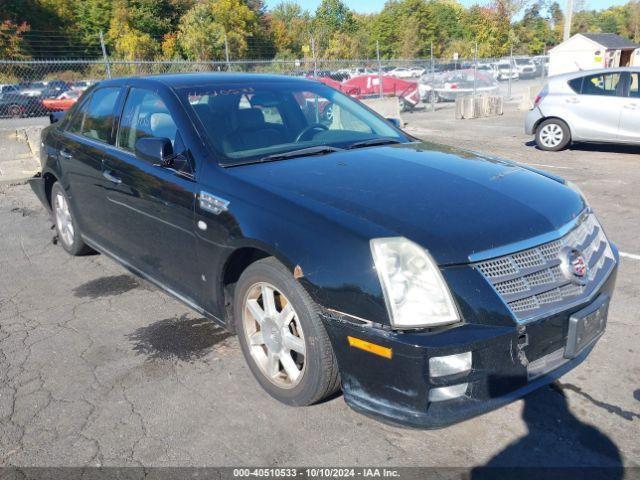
x: 551, y: 135
x: 64, y: 222
x: 274, y: 335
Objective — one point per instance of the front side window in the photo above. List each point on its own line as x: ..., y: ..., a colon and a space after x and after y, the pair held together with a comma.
x: 247, y: 123
x: 603, y: 84
x: 145, y: 115
x: 95, y: 119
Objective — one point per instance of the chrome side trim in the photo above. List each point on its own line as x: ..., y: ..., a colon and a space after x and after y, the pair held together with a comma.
x: 529, y: 242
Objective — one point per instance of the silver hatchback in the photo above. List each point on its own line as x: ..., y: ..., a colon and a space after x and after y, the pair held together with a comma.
x: 587, y: 106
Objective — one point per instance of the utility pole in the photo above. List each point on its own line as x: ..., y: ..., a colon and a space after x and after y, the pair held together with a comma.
x: 475, y: 69
x: 104, y: 55
x: 226, y: 51
x: 567, y: 21
x: 313, y: 54
x: 510, y: 70
x: 433, y: 74
x: 379, y: 67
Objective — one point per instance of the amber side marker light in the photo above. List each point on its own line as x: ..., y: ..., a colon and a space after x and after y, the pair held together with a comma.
x: 370, y: 347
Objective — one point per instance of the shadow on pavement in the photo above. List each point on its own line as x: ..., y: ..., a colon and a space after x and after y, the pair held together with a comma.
x: 557, y: 446
x: 596, y: 147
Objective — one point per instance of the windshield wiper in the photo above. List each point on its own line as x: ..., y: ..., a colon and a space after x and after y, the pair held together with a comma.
x: 303, y: 152
x: 373, y: 141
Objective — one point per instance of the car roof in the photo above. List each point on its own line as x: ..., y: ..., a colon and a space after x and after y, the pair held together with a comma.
x: 582, y: 73
x: 182, y: 80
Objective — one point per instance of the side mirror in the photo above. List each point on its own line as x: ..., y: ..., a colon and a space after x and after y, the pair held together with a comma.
x: 153, y: 149
x: 394, y: 121
x: 56, y: 116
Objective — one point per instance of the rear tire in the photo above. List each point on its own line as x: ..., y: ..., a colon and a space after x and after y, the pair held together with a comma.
x: 553, y: 135
x: 15, y: 111
x: 282, y: 337
x: 69, y: 235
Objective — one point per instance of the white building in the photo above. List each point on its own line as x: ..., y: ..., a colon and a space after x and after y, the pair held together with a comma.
x: 586, y: 51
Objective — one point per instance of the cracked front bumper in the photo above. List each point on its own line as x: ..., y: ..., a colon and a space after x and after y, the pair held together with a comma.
x: 397, y: 389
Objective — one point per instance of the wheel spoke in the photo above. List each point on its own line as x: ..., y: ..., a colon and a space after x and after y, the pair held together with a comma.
x: 273, y: 364
x: 291, y: 342
x: 256, y: 311
x: 286, y: 315
x: 256, y: 338
x: 268, y: 300
x: 290, y: 367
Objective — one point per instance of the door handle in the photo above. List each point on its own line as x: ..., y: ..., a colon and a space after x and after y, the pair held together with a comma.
x: 572, y: 100
x: 65, y: 154
x: 107, y: 174
x: 631, y: 106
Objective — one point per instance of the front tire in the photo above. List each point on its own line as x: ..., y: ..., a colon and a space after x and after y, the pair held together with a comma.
x: 282, y: 337
x: 552, y: 135
x: 66, y: 225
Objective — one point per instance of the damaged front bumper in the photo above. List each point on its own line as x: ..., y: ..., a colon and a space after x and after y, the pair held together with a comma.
x: 396, y: 384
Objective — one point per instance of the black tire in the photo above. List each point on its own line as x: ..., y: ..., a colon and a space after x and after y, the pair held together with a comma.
x: 558, y: 143
x: 15, y: 111
x: 320, y: 377
x: 76, y: 246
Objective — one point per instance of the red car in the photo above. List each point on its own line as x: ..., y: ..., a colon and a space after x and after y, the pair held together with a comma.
x: 366, y: 86
x: 64, y: 101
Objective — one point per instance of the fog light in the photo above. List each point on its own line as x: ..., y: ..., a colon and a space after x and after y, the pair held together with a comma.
x: 449, y: 365
x: 447, y: 393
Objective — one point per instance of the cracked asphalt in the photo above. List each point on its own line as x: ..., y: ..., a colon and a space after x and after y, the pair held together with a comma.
x: 98, y: 367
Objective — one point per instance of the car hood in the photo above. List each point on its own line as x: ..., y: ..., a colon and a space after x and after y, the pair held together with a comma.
x: 454, y: 203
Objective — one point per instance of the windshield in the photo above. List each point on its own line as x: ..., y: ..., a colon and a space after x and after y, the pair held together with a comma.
x: 249, y: 123
x: 523, y: 61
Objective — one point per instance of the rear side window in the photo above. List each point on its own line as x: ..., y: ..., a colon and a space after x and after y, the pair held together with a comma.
x: 609, y: 84
x: 95, y: 119
x: 576, y: 84
x: 145, y: 115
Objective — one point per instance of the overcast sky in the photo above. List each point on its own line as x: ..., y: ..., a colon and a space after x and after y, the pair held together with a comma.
x: 370, y: 6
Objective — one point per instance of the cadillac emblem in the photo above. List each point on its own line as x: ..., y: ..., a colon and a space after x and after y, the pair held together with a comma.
x: 574, y: 266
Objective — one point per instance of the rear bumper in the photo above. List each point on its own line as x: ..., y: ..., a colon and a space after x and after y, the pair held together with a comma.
x: 531, y: 119
x: 397, y: 389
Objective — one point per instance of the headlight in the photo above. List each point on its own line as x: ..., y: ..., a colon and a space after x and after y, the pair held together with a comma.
x: 414, y: 290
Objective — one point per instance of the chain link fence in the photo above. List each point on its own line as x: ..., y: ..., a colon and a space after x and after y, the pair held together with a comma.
x: 31, y: 88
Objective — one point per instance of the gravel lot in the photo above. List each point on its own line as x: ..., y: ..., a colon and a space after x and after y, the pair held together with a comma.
x: 99, y: 368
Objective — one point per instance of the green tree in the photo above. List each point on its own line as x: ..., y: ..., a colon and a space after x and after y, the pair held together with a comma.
x: 12, y: 42
x: 199, y: 36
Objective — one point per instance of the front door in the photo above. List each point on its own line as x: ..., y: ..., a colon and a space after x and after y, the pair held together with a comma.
x: 151, y: 208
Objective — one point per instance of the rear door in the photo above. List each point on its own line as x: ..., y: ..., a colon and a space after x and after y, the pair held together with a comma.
x: 596, y: 106
x: 630, y: 117
x: 80, y: 153
x: 151, y: 208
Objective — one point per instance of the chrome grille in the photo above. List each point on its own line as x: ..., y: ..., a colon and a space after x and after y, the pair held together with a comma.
x: 532, y: 283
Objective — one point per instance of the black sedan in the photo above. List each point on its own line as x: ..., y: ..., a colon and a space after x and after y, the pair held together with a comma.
x: 430, y: 284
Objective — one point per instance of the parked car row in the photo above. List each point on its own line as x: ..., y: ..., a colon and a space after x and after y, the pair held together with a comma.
x: 39, y: 98
x: 447, y: 86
